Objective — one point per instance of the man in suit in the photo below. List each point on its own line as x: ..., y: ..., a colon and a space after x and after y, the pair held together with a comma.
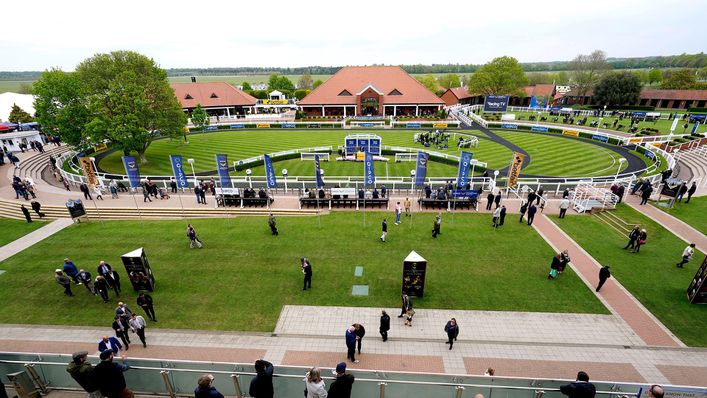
x: 307, y: 271
x: 113, y: 279
x: 581, y: 388
x: 109, y: 343
x: 489, y: 200
x: 691, y: 192
x: 604, y: 274
x: 103, y: 269
x: 121, y: 332
x: 110, y: 376
x: 531, y: 213
x: 632, y: 237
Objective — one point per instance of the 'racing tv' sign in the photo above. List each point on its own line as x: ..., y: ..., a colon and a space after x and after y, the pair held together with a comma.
x: 496, y: 103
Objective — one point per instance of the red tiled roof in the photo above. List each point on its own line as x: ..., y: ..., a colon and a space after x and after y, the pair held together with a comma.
x: 201, y: 93
x: 539, y: 90
x: 675, y: 94
x: 460, y: 92
x: 383, y: 78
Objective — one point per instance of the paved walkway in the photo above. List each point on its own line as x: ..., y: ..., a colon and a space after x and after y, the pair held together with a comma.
x: 33, y: 237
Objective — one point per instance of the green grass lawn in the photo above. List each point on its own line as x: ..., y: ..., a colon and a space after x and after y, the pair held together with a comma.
x: 14, y: 229
x: 651, y: 275
x: 243, y: 275
x: 693, y: 213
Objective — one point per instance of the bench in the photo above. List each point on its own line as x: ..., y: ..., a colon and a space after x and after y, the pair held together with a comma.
x: 448, y: 203
x: 313, y: 202
x: 236, y: 200
x: 250, y: 202
x: 380, y: 202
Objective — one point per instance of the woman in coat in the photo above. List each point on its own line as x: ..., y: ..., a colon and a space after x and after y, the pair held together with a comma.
x: 314, y: 384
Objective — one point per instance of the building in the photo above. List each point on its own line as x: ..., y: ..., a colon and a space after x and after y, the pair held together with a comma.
x: 665, y: 99
x: 371, y: 91
x: 460, y: 95
x: 216, y: 98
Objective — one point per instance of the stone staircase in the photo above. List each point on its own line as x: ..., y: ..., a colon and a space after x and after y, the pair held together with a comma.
x: 693, y: 167
x: 33, y: 166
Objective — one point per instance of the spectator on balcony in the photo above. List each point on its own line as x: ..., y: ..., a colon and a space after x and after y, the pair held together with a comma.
x: 261, y: 385
x: 205, y: 389
x: 581, y: 388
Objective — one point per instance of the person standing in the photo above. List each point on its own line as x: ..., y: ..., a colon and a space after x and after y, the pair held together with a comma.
x: 342, y: 384
x: 64, y: 281
x: 581, y: 388
x: 360, y: 331
x: 307, y: 271
x: 84, y: 277
x: 691, y: 191
x: 261, y: 385
x: 408, y: 204
x: 384, y: 325
x: 452, y: 330
x: 564, y: 205
x: 145, y: 193
x: 686, y: 255
x: 71, y: 270
x: 121, y: 332
x: 144, y: 300
x: 502, y: 215
x: 540, y: 196
x: 100, y: 286
x: 109, y: 344
x: 82, y: 371
x: 681, y: 192
x: 110, y: 376
x: 26, y: 213
x: 604, y: 274
x: 523, y: 209
x: 406, y: 304
x: 633, y: 237
x: 497, y: 200
x: 137, y: 325
x: 113, y: 279
x: 437, y: 225
x: 620, y: 192
x: 489, y: 200
x: 193, y: 239
x: 398, y: 213
x: 642, y: 237
x: 173, y: 185
x: 384, y: 229
x: 646, y: 194
x: 271, y: 224
x: 103, y: 269
x: 656, y: 391
x: 531, y: 213
x: 351, y: 338
x: 496, y: 216
x: 531, y: 197
x: 315, y: 387
x: 205, y: 389
x: 86, y: 193
x: 197, y: 188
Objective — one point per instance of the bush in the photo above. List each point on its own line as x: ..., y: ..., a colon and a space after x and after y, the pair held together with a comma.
x: 696, y: 109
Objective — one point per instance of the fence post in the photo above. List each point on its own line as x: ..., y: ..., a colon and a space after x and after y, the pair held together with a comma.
x: 381, y: 386
x: 459, y: 391
x: 168, y: 383
x: 237, y: 384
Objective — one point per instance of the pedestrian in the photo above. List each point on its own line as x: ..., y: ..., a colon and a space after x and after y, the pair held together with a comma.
x: 452, y: 330
x: 531, y: 213
x: 205, y: 388
x: 202, y: 195
x: 495, y: 218
x: 633, y: 237
x: 408, y: 204
x: 64, y: 281
x: 36, y: 206
x: 531, y: 197
x: 100, y: 286
x: 261, y: 385
x: 109, y: 344
x: 84, y: 278
x: 271, y: 224
x: 197, y: 188
x: 497, y: 200
x: 121, y: 332
x: 564, y: 205
x: 408, y: 315
x: 384, y: 229
x: 307, y: 271
x: 398, y: 213
x: 682, y: 190
x: 137, y: 325
x: 558, y: 264
x: 351, y: 338
x: 83, y: 372
x: 98, y: 191
x: 26, y: 213
x: 581, y: 388
x: 642, y: 237
x: 407, y: 303
x: 110, y: 376
x: 489, y: 200
x: 144, y: 300
x: 145, y: 193
x: 86, y: 193
x: 686, y: 255
x: 113, y: 279
x: 71, y: 270
x: 691, y: 191
x: 540, y: 196
x: 360, y: 332
x: 523, y: 209
x: 193, y: 239
x: 314, y: 385
x: 124, y: 312
x: 620, y: 193
x: 173, y: 185
x: 646, y: 194
x: 604, y: 274
x: 502, y: 215
x: 437, y: 225
x: 342, y: 384
x: 103, y: 268
x: 384, y: 325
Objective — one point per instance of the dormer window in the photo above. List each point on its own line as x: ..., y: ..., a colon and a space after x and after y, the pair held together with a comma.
x: 345, y: 93
x: 188, y: 97
x: 213, y: 95
x: 395, y: 92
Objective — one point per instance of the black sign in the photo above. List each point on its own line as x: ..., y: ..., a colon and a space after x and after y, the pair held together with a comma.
x: 496, y: 103
x: 697, y: 291
x: 75, y: 208
x: 414, y: 278
x: 138, y: 269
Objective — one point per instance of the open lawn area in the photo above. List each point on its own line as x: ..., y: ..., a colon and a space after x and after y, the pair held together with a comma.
x: 243, y: 275
x: 693, y: 213
x: 14, y: 229
x: 651, y: 275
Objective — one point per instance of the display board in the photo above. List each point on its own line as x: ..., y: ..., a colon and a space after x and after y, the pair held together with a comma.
x: 697, y: 291
x: 138, y: 270
x: 361, y: 143
x: 76, y: 208
x: 414, y: 271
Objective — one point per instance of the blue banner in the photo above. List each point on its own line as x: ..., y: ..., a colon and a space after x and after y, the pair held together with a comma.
x: 318, y: 172
x: 222, y: 166
x: 288, y: 125
x: 601, y: 138
x: 694, y: 128
x: 178, y: 171
x: 539, y: 129
x: 650, y: 155
x: 366, y: 124
x: 496, y: 103
x: 211, y: 128
x: 421, y: 169
x: 464, y: 166
x: 269, y: 172
x: 132, y: 171
x: 509, y: 126
x: 374, y: 146
x: 534, y: 102
x: 413, y: 125
x: 464, y: 193
x: 369, y: 174
x: 362, y: 145
x: 238, y: 126
x: 350, y: 145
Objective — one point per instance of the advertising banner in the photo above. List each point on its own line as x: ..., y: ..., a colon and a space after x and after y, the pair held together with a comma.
x: 374, y: 146
x: 288, y: 125
x: 263, y: 125
x: 362, y: 145
x: 694, y: 128
x: 178, y: 171
x: 464, y: 193
x: 439, y: 125
x: 100, y: 147
x: 464, y: 166
x: 634, y: 140
x: 238, y: 126
x: 350, y: 145
x: 318, y: 172
x: 496, y: 103
x: 368, y: 172
x: 211, y: 128
x: 421, y: 169
x: 132, y: 171
x: 539, y: 129
x: 138, y: 270
x: 413, y: 125
x: 269, y: 172
x: 509, y: 126
x: 222, y: 165
x: 650, y: 155
x: 365, y: 124
x: 274, y: 102
x: 514, y: 170
x: 674, y: 125
x: 601, y: 138
x: 414, y: 272
x: 88, y: 171
x: 571, y: 133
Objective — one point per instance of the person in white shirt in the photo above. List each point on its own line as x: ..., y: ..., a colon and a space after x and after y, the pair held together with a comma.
x: 314, y: 383
x: 564, y: 205
x: 686, y: 255
x: 137, y: 325
x: 398, y: 212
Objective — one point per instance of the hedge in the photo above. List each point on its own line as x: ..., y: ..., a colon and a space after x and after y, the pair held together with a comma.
x: 697, y: 109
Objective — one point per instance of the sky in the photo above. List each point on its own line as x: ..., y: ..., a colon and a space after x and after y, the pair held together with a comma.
x: 38, y: 35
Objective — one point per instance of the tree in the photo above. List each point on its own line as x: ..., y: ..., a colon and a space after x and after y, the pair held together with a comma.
x: 617, y: 89
x: 246, y: 86
x: 562, y: 78
x: 681, y: 79
x: 428, y: 81
x: 501, y: 76
x: 18, y: 114
x: 60, y: 105
x: 129, y: 100
x: 317, y: 83
x: 25, y: 88
x: 450, y: 80
x: 655, y: 76
x: 280, y: 83
x: 199, y: 117
x: 301, y: 93
x: 465, y: 80
x: 702, y: 73
x: 587, y: 70
x: 305, y: 81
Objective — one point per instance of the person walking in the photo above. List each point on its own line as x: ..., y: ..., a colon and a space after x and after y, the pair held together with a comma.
x: 351, y: 338
x: 342, y: 384
x: 98, y: 191
x: 564, y: 205
x: 137, y: 325
x: 531, y: 213
x: 86, y: 192
x: 307, y: 271
x: 360, y: 331
x: 145, y: 193
x: 271, y: 224
x: 37, y: 207
x: 100, y: 286
x: 408, y: 204
x: 314, y: 385
x: 110, y: 376
x: 452, y: 330
x: 384, y: 325
x: 384, y: 229
x: 495, y: 218
x: 406, y: 304
x: 205, y: 388
x: 686, y: 255
x: 502, y: 215
x: 581, y: 388
x: 84, y: 278
x: 604, y: 274
x: 144, y: 300
x: 691, y: 191
x: 398, y: 213
x: 64, y: 281
x: 633, y: 237
x: 497, y: 200
x: 121, y: 332
x: 26, y: 213
x: 540, y: 196
x: 193, y: 239
x: 523, y: 209
x: 109, y: 344
x: 83, y: 372
x: 681, y: 192
x: 261, y: 385
x: 646, y: 194
x: 408, y: 315
x: 437, y: 225
x: 642, y: 237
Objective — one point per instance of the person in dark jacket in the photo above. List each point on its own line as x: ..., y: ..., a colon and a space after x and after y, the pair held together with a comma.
x: 384, y: 325
x: 145, y: 302
x: 82, y: 371
x: 632, y: 237
x: 261, y: 385
x: 71, y: 270
x: 307, y: 271
x: 64, y: 281
x: 205, y: 389
x: 540, y: 196
x: 620, y: 193
x: 26, y: 213
x: 681, y: 192
x: 497, y: 200
x: 37, y: 207
x: 691, y: 191
x: 350, y: 336
x: 489, y: 200
x: 645, y: 195
x: 604, y: 274
x: 342, y: 384
x: 531, y: 213
x: 360, y: 331
x: 86, y: 192
x: 523, y: 209
x: 406, y: 304
x: 642, y: 236
x: 85, y: 278
x: 581, y: 388
x: 110, y: 376
x: 531, y: 197
x: 565, y: 193
x: 103, y: 268
x: 100, y: 286
x: 502, y: 215
x: 121, y: 332
x: 109, y: 343
x: 452, y: 330
x: 271, y: 224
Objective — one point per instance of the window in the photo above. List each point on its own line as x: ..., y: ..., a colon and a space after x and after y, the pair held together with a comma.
x: 186, y: 97
x: 395, y: 92
x: 345, y: 93
x: 213, y: 95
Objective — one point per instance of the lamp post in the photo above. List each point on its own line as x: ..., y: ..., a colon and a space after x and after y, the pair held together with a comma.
x: 412, y: 177
x: 284, y: 175
x: 193, y: 173
x: 621, y: 162
x: 495, y: 177
x: 248, y: 173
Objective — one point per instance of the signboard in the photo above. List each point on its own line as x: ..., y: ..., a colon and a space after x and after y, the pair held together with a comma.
x: 75, y: 208
x: 601, y: 138
x: 88, y: 171
x: 514, y: 170
x: 634, y: 140
x: 697, y: 291
x: 222, y: 166
x: 138, y: 270
x: 650, y: 155
x: 132, y: 171
x: 211, y: 128
x: 318, y: 172
x: 274, y: 102
x: 269, y: 172
x: 178, y: 171
x: 288, y: 125
x: 464, y: 193
x: 539, y: 129
x: 369, y: 176
x: 362, y: 145
x: 413, y: 125
x: 439, y: 125
x: 496, y: 103
x: 238, y: 126
x: 414, y: 271
x: 228, y: 191
x: 421, y: 169
x: 343, y: 191
x: 374, y: 146
x: 263, y: 125
x: 100, y: 147
x: 509, y: 126
x: 571, y: 133
x: 350, y: 145
x: 463, y: 172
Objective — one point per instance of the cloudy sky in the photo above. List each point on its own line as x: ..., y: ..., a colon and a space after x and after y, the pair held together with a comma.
x: 37, y: 35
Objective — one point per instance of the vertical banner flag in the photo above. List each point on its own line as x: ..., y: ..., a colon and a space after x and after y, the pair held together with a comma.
x: 694, y: 128
x: 269, y: 172
x: 369, y: 175
x: 674, y: 125
x: 421, y: 171
x: 132, y: 171
x: 88, y: 171
x: 179, y: 176
x: 463, y: 174
x: 222, y: 165
x: 318, y: 172
x: 514, y: 170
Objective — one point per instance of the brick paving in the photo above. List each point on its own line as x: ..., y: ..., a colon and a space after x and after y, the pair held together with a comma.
x: 684, y: 375
x: 552, y: 369
x: 390, y: 362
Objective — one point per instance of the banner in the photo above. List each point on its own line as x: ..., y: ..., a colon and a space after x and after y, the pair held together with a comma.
x: 222, y: 166
x: 288, y: 125
x: 421, y: 169
x: 132, y: 171
x: 694, y: 128
x: 274, y: 102
x: 496, y: 103
x: 674, y: 125
x: 514, y: 170
x: 368, y: 172
x: 533, y: 102
x: 263, y: 125
x: 634, y: 140
x: 571, y: 133
x: 463, y: 173
x: 178, y: 171
x: 269, y: 172
x: 509, y: 126
x: 539, y: 129
x: 238, y: 126
x: 440, y: 125
x: 601, y: 138
x: 318, y: 172
x: 88, y: 171
x: 100, y: 147
x: 374, y: 146
x: 413, y: 125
